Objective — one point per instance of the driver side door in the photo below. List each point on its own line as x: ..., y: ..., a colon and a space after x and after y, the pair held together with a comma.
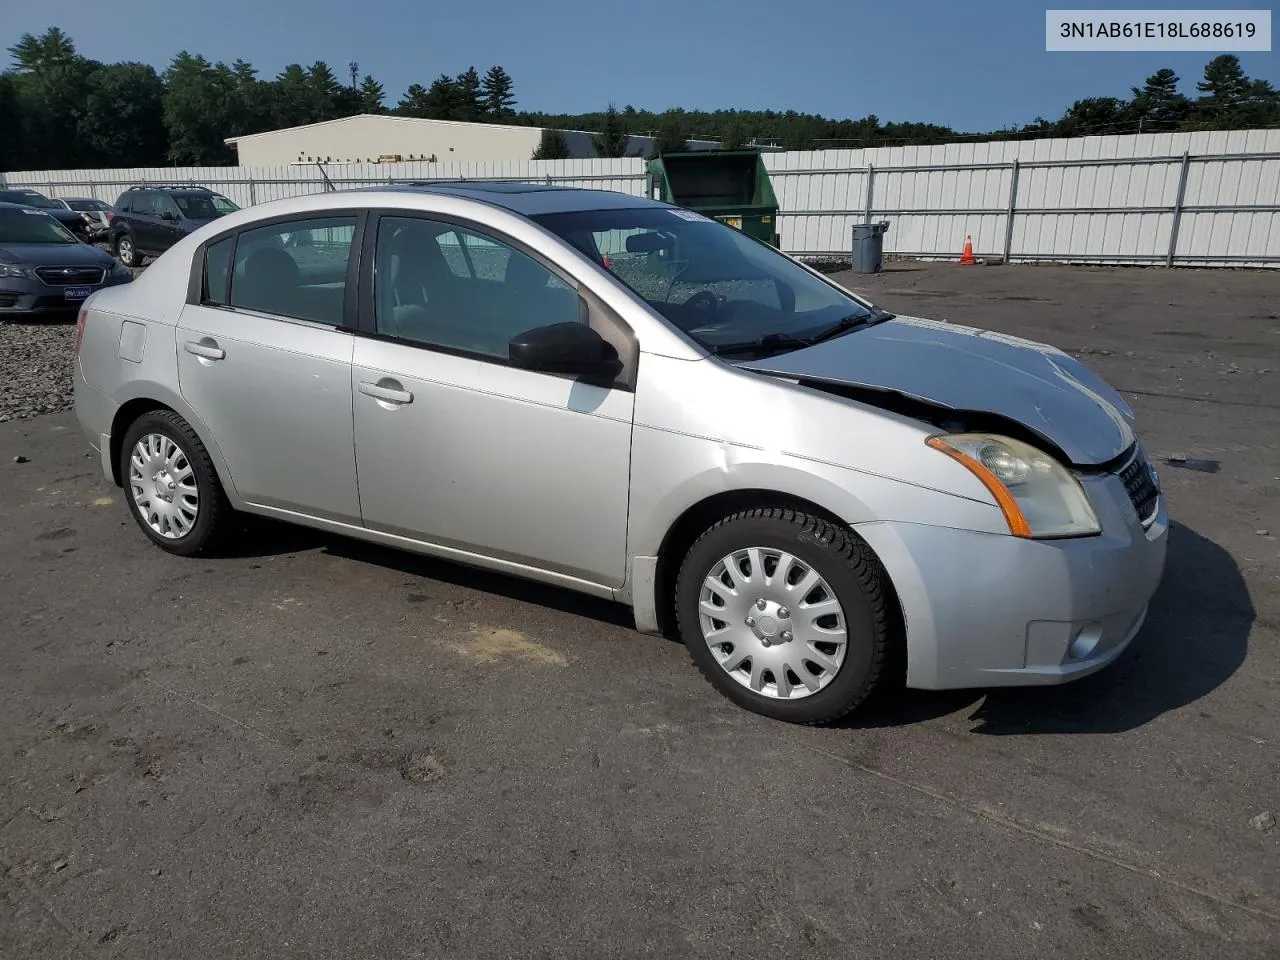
x: 457, y: 447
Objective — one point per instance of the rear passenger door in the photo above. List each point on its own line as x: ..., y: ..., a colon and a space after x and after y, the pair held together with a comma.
x: 264, y: 359
x: 147, y: 225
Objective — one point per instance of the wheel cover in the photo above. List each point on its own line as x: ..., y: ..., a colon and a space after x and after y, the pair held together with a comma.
x: 126, y: 248
x: 772, y: 623
x: 163, y: 485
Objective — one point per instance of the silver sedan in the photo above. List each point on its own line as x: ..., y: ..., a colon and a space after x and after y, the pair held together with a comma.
x: 624, y: 398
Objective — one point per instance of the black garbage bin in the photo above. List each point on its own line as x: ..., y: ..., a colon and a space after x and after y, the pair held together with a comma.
x: 868, y: 246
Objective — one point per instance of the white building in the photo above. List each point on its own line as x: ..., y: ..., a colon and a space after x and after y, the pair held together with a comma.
x: 370, y: 138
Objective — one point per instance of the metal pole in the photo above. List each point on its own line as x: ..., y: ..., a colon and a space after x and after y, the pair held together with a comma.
x: 253, y: 192
x: 871, y: 190
x: 1013, y: 202
x: 1177, y: 208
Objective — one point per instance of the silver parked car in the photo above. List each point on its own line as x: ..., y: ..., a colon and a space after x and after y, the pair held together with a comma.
x: 625, y: 398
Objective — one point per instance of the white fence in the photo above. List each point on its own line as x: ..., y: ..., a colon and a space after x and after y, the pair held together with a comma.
x: 1205, y: 199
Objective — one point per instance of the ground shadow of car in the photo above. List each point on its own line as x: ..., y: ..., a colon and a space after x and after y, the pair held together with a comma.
x: 1195, y: 638
x: 262, y: 537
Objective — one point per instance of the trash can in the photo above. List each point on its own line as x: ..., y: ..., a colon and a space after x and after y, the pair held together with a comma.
x: 731, y: 186
x: 868, y: 246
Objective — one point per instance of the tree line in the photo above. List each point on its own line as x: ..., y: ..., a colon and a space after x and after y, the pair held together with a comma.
x: 59, y: 109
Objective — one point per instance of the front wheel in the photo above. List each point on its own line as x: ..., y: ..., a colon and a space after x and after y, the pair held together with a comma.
x: 171, y: 485
x: 786, y: 614
x: 127, y: 251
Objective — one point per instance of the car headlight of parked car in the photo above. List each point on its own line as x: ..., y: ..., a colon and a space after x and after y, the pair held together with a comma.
x: 1039, y: 497
x: 11, y: 270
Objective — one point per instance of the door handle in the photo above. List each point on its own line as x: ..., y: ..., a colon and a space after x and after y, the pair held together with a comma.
x: 388, y: 394
x: 206, y: 350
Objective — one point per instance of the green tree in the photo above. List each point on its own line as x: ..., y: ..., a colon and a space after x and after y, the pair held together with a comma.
x: 1230, y: 99
x: 496, y: 93
x: 326, y: 98
x: 414, y: 102
x: 371, y: 95
x: 612, y: 140
x: 12, y: 145
x: 122, y: 124
x: 736, y: 135
x: 50, y: 83
x: 444, y: 100
x: 199, y: 109
x: 673, y: 136
x: 1158, y: 106
x: 552, y: 146
x: 1094, y: 115
x: 470, y: 96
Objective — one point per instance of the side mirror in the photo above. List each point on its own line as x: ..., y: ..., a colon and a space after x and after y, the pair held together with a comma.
x: 569, y: 348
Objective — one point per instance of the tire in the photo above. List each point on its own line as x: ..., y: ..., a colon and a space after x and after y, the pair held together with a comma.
x: 173, y: 524
x: 845, y: 566
x: 127, y: 250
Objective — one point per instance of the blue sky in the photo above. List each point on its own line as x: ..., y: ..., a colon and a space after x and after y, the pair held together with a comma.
x: 964, y: 63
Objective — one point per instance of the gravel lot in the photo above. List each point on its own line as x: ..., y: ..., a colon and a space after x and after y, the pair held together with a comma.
x: 35, y: 367
x: 316, y: 749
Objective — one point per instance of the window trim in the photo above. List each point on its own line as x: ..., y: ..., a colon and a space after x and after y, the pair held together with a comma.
x: 599, y: 316
x: 351, y: 291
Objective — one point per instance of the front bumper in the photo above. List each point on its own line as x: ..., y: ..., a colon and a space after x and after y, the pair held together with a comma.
x: 984, y: 610
x: 27, y: 296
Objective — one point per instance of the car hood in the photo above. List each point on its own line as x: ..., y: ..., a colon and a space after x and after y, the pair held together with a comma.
x: 966, y: 369
x: 62, y: 254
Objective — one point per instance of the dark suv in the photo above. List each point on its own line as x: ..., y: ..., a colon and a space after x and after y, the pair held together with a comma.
x: 147, y: 221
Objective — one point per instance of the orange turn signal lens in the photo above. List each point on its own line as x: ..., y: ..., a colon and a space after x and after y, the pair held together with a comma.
x: 1013, y: 515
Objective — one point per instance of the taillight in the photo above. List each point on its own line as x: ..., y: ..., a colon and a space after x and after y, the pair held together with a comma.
x: 80, y: 319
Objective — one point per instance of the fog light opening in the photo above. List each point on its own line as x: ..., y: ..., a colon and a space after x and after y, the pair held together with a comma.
x: 1085, y: 641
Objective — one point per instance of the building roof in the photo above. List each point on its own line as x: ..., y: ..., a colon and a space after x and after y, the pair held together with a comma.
x: 386, y: 117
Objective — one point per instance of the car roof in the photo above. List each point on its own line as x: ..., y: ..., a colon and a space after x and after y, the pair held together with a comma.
x: 18, y: 206
x: 528, y: 199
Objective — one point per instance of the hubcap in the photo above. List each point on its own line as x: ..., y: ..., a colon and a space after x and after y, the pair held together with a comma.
x: 126, y: 250
x: 772, y: 623
x: 163, y: 485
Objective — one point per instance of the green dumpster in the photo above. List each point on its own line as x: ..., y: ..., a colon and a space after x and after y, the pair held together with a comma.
x: 731, y: 186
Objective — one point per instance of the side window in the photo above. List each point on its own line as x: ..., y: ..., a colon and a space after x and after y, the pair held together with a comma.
x: 296, y: 269
x: 217, y: 266
x: 142, y: 205
x: 419, y: 296
x: 164, y: 205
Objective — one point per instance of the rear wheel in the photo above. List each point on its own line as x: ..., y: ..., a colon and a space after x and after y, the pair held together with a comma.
x: 171, y: 486
x: 786, y: 614
x: 127, y: 251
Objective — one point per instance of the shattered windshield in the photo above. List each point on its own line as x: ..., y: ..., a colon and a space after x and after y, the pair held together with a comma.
x: 726, y: 290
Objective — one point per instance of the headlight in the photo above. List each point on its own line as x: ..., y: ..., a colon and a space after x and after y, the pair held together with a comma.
x: 9, y: 270
x: 1038, y: 496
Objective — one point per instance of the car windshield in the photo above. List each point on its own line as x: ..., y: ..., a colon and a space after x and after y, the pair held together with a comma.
x: 203, y: 206
x: 31, y: 199
x: 730, y: 293
x: 88, y: 206
x: 28, y: 226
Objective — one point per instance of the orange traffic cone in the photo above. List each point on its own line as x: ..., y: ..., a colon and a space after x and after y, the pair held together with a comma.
x: 967, y: 257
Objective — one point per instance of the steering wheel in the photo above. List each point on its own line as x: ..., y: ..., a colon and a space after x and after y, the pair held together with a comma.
x: 704, y: 301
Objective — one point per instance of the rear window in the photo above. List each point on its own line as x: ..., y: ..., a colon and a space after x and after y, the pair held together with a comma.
x: 88, y: 206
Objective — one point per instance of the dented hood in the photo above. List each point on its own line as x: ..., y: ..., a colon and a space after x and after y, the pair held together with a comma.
x: 966, y: 369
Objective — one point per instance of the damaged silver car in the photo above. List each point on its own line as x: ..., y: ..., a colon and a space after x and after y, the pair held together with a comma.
x: 624, y: 398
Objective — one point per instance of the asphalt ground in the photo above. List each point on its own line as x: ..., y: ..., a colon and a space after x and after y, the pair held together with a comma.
x: 315, y: 748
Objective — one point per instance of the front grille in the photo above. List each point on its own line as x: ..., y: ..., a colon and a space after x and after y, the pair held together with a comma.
x: 71, y: 276
x: 1140, y: 483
